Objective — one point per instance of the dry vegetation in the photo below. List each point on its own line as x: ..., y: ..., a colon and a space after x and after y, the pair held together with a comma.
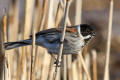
x: 34, y: 63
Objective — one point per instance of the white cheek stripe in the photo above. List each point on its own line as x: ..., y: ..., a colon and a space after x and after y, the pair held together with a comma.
x: 79, y: 30
x: 86, y: 37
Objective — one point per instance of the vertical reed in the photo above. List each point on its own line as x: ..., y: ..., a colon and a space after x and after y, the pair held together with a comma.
x: 78, y: 18
x: 78, y: 12
x: 87, y: 62
x: 69, y: 64
x: 5, y: 40
x: 106, y: 73
x: 13, y: 27
x: 84, y: 66
x: 33, y: 40
x: 94, y: 61
x: 43, y: 14
x: 74, y: 71
x: 20, y: 63
x: 62, y: 38
x: 29, y: 10
x: 65, y: 67
x: 2, y: 52
x: 59, y: 13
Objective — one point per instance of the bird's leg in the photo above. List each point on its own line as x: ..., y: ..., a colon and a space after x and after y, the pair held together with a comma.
x: 58, y: 63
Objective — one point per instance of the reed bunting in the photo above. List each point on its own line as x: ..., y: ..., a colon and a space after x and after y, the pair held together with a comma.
x: 50, y: 39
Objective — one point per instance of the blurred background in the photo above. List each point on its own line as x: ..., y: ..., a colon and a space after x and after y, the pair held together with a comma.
x: 22, y: 15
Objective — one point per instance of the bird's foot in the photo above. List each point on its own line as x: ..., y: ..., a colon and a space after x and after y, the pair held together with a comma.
x: 58, y: 63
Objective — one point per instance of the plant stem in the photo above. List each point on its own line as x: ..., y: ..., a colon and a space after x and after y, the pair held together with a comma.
x: 62, y: 38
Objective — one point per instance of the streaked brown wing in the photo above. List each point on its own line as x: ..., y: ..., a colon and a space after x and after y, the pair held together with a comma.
x: 50, y: 35
x: 48, y: 31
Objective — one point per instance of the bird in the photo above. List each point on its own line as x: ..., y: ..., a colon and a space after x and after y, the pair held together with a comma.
x: 50, y: 39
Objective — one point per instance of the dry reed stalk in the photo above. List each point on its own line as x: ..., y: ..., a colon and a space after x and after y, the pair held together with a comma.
x: 69, y: 64
x: 27, y: 30
x: 87, y: 62
x: 50, y: 23
x: 39, y: 63
x: 106, y: 73
x: 33, y: 40
x: 22, y: 74
x: 59, y: 75
x: 80, y: 69
x: 78, y: 21
x: 78, y: 12
x: 45, y: 64
x: 59, y: 13
x: 62, y: 38
x: 31, y: 4
x: 2, y: 52
x: 85, y: 54
x: 86, y: 59
x: 32, y: 54
x: 65, y: 67
x: 50, y: 17
x: 42, y: 54
x: 28, y: 18
x: 85, y: 50
x: 12, y: 36
x: 68, y: 22
x: 15, y: 31
x: 5, y: 25
x: 5, y: 40
x: 40, y: 19
x: 74, y: 71
x: 94, y: 61
x: 51, y: 70
x: 36, y: 25
x: 44, y: 11
x: 14, y: 21
x: 38, y: 14
x: 47, y: 57
x: 84, y: 65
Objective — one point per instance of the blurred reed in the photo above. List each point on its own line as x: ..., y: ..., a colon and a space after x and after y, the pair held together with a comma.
x: 43, y: 15
x: 106, y: 73
x: 33, y: 38
x: 94, y: 61
x: 5, y: 40
x: 2, y: 51
x: 59, y: 56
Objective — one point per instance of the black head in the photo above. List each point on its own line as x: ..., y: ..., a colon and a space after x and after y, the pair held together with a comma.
x: 87, y: 32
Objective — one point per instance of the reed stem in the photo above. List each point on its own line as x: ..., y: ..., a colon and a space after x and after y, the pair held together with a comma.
x: 62, y: 38
x: 106, y: 73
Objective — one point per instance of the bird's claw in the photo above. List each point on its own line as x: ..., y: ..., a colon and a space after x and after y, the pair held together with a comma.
x: 58, y: 63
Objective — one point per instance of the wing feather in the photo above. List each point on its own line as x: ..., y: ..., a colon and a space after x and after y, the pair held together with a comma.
x: 51, y: 35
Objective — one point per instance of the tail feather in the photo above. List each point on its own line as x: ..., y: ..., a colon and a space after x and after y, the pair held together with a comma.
x: 11, y: 45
